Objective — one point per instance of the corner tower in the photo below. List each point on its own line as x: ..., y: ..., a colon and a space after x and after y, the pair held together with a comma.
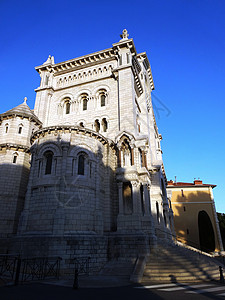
x: 16, y: 127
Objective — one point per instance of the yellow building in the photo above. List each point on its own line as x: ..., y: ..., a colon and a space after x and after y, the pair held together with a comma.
x: 195, y: 218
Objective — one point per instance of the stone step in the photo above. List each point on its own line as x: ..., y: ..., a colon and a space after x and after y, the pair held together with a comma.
x: 178, y: 271
x: 179, y: 264
x: 178, y: 279
x: 180, y: 274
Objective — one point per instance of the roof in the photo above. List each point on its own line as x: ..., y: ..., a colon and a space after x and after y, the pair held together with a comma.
x: 196, y: 183
x: 22, y: 110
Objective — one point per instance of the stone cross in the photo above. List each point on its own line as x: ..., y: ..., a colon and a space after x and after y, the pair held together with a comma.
x: 124, y: 35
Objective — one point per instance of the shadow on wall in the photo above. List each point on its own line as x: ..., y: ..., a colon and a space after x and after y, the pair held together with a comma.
x: 13, y: 186
x: 195, y: 222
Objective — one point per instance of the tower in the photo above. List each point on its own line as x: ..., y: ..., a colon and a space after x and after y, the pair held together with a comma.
x: 16, y: 127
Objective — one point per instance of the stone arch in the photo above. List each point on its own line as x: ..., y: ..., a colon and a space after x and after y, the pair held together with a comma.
x: 101, y: 87
x: 75, y: 149
x: 49, y: 146
x: 125, y: 134
x: 206, y: 232
x: 81, y: 92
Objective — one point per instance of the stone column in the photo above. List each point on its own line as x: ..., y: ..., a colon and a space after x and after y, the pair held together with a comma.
x: 119, y: 158
x: 132, y: 156
x: 120, y: 193
x: 136, y: 197
x: 146, y: 199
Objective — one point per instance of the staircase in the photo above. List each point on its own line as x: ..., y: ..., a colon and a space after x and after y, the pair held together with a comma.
x: 173, y: 263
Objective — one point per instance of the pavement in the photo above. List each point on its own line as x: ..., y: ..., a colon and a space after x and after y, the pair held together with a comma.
x: 92, y: 281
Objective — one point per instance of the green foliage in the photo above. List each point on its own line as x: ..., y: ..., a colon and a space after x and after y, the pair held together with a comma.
x: 221, y: 218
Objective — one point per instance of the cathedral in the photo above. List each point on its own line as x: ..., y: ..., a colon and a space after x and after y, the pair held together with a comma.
x: 82, y: 173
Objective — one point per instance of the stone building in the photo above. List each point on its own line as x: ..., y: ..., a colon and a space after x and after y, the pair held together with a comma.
x: 97, y: 184
x: 195, y: 218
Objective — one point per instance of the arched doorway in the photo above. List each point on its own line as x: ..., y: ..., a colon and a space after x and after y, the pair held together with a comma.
x: 206, y: 232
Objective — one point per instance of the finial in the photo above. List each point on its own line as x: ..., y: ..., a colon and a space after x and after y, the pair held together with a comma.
x: 25, y: 99
x: 124, y: 35
x: 48, y: 61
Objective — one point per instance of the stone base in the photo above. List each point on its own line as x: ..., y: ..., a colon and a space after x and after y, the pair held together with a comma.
x: 100, y: 248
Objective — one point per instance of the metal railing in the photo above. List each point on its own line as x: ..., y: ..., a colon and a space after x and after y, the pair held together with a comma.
x: 81, y: 268
x: 39, y: 268
x: 15, y: 269
x: 8, y: 266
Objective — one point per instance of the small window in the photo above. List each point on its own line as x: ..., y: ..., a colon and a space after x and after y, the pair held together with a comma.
x: 184, y: 208
x: 104, y: 125
x: 49, y: 159
x: 14, y: 159
x: 128, y: 58
x: 97, y: 125
x: 182, y: 193
x: 90, y: 169
x: 6, y: 128
x: 81, y: 160
x: 81, y: 124
x: 84, y: 103
x: 102, y: 97
x: 20, y: 129
x: 187, y: 231
x: 67, y: 108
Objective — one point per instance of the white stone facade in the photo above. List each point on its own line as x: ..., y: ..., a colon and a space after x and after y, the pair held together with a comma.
x: 96, y: 163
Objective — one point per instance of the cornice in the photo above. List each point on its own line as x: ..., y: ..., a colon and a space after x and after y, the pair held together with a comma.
x: 79, y: 62
x: 22, y: 116
x: 147, y: 66
x: 15, y: 147
x: 69, y: 129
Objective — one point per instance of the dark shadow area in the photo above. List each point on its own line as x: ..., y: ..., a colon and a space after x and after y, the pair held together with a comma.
x: 206, y: 233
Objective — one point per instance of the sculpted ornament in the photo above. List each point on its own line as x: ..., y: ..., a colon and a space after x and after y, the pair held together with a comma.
x: 124, y: 35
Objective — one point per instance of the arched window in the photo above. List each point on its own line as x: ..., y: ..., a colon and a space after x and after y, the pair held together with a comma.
x: 20, y: 128
x: 6, y: 128
x: 15, y: 155
x: 102, y: 97
x: 81, y: 124
x: 67, y: 107
x: 81, y: 161
x: 97, y: 125
x: 49, y: 158
x: 104, y: 125
x: 85, y: 101
x: 126, y: 153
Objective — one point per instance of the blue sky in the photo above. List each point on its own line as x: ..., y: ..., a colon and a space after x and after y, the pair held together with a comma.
x: 185, y: 44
